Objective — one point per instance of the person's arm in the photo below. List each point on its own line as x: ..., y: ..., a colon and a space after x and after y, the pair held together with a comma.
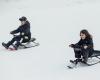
x: 77, y: 45
x: 90, y: 43
x: 15, y: 31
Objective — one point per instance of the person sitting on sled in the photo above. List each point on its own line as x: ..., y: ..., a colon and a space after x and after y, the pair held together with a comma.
x: 24, y: 36
x: 84, y: 48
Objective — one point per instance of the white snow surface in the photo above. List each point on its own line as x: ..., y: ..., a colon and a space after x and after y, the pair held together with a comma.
x: 55, y: 24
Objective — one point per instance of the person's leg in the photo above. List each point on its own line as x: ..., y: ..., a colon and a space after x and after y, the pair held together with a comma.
x: 78, y: 54
x: 16, y: 45
x: 17, y: 39
x: 85, y: 54
x: 25, y: 39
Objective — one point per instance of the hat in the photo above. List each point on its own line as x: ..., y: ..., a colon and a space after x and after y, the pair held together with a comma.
x: 23, y: 18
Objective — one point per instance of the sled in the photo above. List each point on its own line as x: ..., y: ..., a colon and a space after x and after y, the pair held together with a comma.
x: 94, y: 59
x: 31, y: 43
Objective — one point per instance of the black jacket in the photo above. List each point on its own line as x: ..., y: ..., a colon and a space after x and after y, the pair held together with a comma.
x: 23, y: 29
x: 87, y: 42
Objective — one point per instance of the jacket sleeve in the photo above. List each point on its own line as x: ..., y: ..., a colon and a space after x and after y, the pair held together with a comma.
x: 90, y: 43
x: 79, y: 43
x: 15, y: 31
x: 22, y: 29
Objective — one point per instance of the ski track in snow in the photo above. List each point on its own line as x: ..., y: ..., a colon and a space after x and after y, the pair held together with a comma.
x: 55, y: 24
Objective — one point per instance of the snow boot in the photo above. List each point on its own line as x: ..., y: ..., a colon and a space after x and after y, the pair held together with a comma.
x: 5, y: 45
x: 76, y: 61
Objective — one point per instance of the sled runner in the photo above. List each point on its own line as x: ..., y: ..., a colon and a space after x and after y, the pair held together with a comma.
x: 94, y: 59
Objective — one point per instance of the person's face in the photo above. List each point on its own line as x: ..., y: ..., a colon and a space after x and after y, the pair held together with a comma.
x: 82, y: 36
x: 22, y: 22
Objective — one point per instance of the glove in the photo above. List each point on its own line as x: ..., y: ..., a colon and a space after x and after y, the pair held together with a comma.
x: 72, y: 45
x: 11, y: 32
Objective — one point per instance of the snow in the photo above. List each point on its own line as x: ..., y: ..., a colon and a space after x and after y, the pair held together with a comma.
x: 55, y: 24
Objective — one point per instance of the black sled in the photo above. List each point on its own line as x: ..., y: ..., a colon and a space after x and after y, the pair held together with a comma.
x: 90, y: 62
x: 26, y: 45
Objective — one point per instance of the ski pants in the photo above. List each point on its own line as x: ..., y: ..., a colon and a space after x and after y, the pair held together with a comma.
x: 83, y: 53
x: 19, y: 39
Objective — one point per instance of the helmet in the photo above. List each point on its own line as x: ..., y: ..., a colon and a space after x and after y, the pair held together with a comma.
x: 23, y: 18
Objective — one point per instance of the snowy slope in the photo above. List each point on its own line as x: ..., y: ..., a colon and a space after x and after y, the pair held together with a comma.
x: 55, y: 24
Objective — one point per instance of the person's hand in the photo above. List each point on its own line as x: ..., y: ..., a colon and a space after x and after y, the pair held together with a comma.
x: 11, y: 32
x: 71, y: 45
x: 85, y: 47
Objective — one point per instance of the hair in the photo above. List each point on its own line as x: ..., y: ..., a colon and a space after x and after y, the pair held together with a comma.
x: 88, y: 35
x: 23, y: 18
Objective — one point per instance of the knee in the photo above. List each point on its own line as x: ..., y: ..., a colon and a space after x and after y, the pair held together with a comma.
x: 17, y: 38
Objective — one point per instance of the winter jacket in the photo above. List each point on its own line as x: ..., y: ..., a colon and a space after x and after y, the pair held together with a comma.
x: 86, y: 42
x: 24, y: 30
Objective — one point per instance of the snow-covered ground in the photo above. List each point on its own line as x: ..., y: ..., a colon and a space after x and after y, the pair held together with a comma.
x: 55, y: 24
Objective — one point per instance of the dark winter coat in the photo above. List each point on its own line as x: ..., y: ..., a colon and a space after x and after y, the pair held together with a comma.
x: 86, y: 42
x: 23, y: 29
